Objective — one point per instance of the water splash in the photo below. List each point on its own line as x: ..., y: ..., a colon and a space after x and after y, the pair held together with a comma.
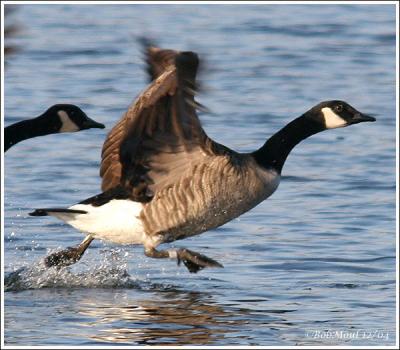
x: 110, y: 273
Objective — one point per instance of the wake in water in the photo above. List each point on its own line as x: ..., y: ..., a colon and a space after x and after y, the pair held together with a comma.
x: 111, y: 272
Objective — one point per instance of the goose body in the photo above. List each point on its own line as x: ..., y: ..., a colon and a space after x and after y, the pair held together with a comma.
x: 57, y: 119
x: 164, y: 179
x: 209, y: 195
x: 203, y: 200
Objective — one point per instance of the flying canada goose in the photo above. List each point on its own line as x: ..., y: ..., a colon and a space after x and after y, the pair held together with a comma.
x: 164, y: 179
x: 58, y: 118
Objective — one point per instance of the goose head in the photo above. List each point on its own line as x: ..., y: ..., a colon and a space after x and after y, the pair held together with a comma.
x: 336, y: 114
x: 69, y: 118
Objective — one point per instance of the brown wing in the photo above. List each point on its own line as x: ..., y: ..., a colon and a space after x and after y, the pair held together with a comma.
x: 157, y: 60
x: 160, y: 136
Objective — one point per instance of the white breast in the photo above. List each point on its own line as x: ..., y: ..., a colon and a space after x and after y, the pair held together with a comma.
x: 271, y: 180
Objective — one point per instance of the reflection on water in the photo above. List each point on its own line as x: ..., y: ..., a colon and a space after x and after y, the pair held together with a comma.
x: 105, y: 304
x: 169, y: 317
x: 129, y: 315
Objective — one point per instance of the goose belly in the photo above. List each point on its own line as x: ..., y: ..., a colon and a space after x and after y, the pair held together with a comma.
x: 208, y: 201
x: 117, y: 221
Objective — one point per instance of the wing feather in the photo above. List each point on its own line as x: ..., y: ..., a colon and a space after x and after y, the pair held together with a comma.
x: 157, y: 60
x: 160, y: 136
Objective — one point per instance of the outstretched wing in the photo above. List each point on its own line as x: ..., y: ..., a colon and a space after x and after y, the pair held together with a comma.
x: 157, y: 60
x: 160, y: 136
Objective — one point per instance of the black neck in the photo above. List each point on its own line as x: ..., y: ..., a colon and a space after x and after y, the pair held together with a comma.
x: 273, y: 154
x: 27, y: 129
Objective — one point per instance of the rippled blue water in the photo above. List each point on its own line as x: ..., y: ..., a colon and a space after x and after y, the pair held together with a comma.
x: 312, y: 265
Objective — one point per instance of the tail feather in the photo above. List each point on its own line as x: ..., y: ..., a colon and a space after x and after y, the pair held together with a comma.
x: 49, y: 211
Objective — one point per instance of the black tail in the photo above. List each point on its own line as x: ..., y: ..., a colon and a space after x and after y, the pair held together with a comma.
x: 47, y: 211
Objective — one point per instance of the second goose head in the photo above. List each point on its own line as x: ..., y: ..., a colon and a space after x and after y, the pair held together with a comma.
x: 69, y: 118
x: 58, y: 118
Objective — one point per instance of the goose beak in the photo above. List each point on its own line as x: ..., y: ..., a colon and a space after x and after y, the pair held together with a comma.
x: 361, y: 117
x: 90, y: 123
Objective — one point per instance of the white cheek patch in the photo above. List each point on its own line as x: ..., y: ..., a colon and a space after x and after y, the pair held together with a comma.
x: 67, y: 125
x: 332, y: 120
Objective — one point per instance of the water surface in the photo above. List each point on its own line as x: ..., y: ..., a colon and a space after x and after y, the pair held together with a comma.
x: 317, y: 258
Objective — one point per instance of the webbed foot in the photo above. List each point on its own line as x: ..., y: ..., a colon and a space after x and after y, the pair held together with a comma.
x: 63, y: 257
x: 68, y: 256
x: 192, y: 260
x: 195, y: 261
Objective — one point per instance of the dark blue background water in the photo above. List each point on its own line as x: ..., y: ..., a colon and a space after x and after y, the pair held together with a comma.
x: 317, y: 257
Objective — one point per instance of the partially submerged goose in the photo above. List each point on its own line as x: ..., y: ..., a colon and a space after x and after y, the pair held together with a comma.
x: 164, y: 179
x: 58, y: 118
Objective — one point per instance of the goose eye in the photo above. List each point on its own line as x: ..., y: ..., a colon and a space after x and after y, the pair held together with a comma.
x: 339, y: 108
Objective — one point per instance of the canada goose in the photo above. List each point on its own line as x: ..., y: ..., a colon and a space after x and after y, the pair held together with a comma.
x: 58, y: 118
x: 164, y: 179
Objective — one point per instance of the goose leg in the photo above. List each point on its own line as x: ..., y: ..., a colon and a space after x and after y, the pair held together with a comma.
x: 68, y: 256
x: 192, y: 260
